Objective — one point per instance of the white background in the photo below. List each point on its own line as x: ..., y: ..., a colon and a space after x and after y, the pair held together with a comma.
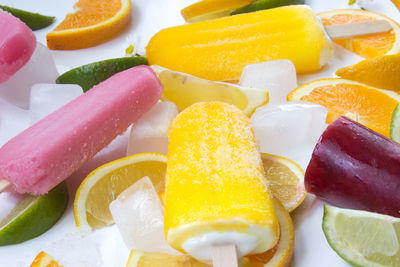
x: 105, y: 247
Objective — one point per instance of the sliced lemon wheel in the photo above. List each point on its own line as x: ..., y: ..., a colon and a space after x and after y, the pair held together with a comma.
x: 184, y: 90
x: 285, y: 179
x: 104, y: 184
x: 44, y: 260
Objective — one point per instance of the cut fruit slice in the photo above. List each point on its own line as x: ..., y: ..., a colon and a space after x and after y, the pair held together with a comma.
x: 381, y: 72
x: 367, y: 105
x: 33, y: 216
x: 395, y: 125
x: 92, y: 23
x: 266, y: 4
x: 104, y: 184
x: 366, y: 46
x: 185, y: 90
x: 363, y: 238
x: 34, y: 21
x: 281, y: 254
x: 211, y: 9
x: 94, y: 73
x: 285, y: 179
x: 139, y: 258
x: 44, y: 260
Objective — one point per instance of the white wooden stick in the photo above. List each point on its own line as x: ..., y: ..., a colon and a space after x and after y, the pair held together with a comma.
x: 4, y: 184
x: 358, y: 29
x: 224, y: 256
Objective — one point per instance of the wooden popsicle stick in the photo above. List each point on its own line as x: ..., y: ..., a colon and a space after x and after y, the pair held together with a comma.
x: 224, y: 256
x: 4, y: 184
x: 358, y: 29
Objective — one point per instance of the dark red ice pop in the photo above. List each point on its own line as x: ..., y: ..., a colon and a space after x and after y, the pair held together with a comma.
x: 357, y: 168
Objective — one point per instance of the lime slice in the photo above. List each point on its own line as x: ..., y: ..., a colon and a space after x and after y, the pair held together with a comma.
x: 266, y: 4
x: 35, y: 21
x: 363, y: 238
x: 94, y: 73
x: 395, y: 125
x: 33, y: 216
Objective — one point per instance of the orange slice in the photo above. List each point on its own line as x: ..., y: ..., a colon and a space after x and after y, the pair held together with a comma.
x: 93, y: 23
x: 367, y: 105
x: 366, y: 46
x: 381, y: 72
x: 44, y: 260
x: 397, y: 3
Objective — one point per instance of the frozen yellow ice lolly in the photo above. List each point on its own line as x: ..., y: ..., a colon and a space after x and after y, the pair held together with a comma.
x: 216, y: 191
x: 219, y: 49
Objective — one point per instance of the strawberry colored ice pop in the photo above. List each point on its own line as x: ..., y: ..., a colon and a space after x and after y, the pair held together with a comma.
x: 48, y: 152
x: 17, y: 43
x: 354, y: 167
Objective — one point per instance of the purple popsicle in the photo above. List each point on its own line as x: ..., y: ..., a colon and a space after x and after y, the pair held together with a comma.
x: 357, y: 168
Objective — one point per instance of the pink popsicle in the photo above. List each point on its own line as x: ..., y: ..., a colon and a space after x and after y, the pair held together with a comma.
x: 17, y: 43
x: 48, y: 152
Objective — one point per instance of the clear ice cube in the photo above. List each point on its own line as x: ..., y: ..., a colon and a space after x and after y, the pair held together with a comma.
x: 13, y: 120
x: 139, y: 215
x: 46, y: 98
x: 278, y: 77
x: 290, y: 129
x: 39, y: 69
x: 150, y: 133
x: 8, y: 201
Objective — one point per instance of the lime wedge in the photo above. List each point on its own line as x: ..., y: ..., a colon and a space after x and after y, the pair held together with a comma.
x: 363, y: 238
x: 395, y: 125
x: 266, y: 4
x: 35, y: 21
x: 33, y: 216
x: 94, y: 73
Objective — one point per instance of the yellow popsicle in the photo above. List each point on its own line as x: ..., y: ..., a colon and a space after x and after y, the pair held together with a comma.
x: 216, y: 191
x: 219, y: 49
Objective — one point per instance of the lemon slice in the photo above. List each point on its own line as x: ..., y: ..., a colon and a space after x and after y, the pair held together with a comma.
x: 211, y: 9
x: 285, y: 179
x: 104, y: 184
x: 363, y: 238
x: 185, y: 90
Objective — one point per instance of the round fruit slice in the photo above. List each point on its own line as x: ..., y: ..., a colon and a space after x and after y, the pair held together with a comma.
x: 381, y: 72
x: 266, y: 4
x: 367, y: 105
x: 92, y: 23
x: 285, y: 179
x: 94, y: 73
x: 395, y: 125
x: 185, y: 90
x: 211, y: 9
x: 44, y: 260
x: 34, y: 21
x: 143, y: 259
x: 366, y: 46
x: 104, y: 184
x: 281, y: 254
x: 33, y: 216
x: 363, y: 238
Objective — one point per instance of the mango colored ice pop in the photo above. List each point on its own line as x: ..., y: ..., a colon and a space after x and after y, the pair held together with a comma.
x: 45, y: 154
x: 17, y: 43
x: 219, y: 49
x: 216, y: 192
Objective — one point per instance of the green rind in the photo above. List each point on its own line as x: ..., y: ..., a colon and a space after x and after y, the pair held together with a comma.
x: 91, y: 74
x: 266, y: 4
x: 34, y: 21
x: 395, y: 124
x: 44, y: 212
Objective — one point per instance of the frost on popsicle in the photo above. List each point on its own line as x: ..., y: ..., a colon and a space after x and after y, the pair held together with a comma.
x: 150, y: 132
x: 46, y: 98
x: 289, y: 129
x: 139, y: 215
x: 278, y: 77
x: 39, y: 69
